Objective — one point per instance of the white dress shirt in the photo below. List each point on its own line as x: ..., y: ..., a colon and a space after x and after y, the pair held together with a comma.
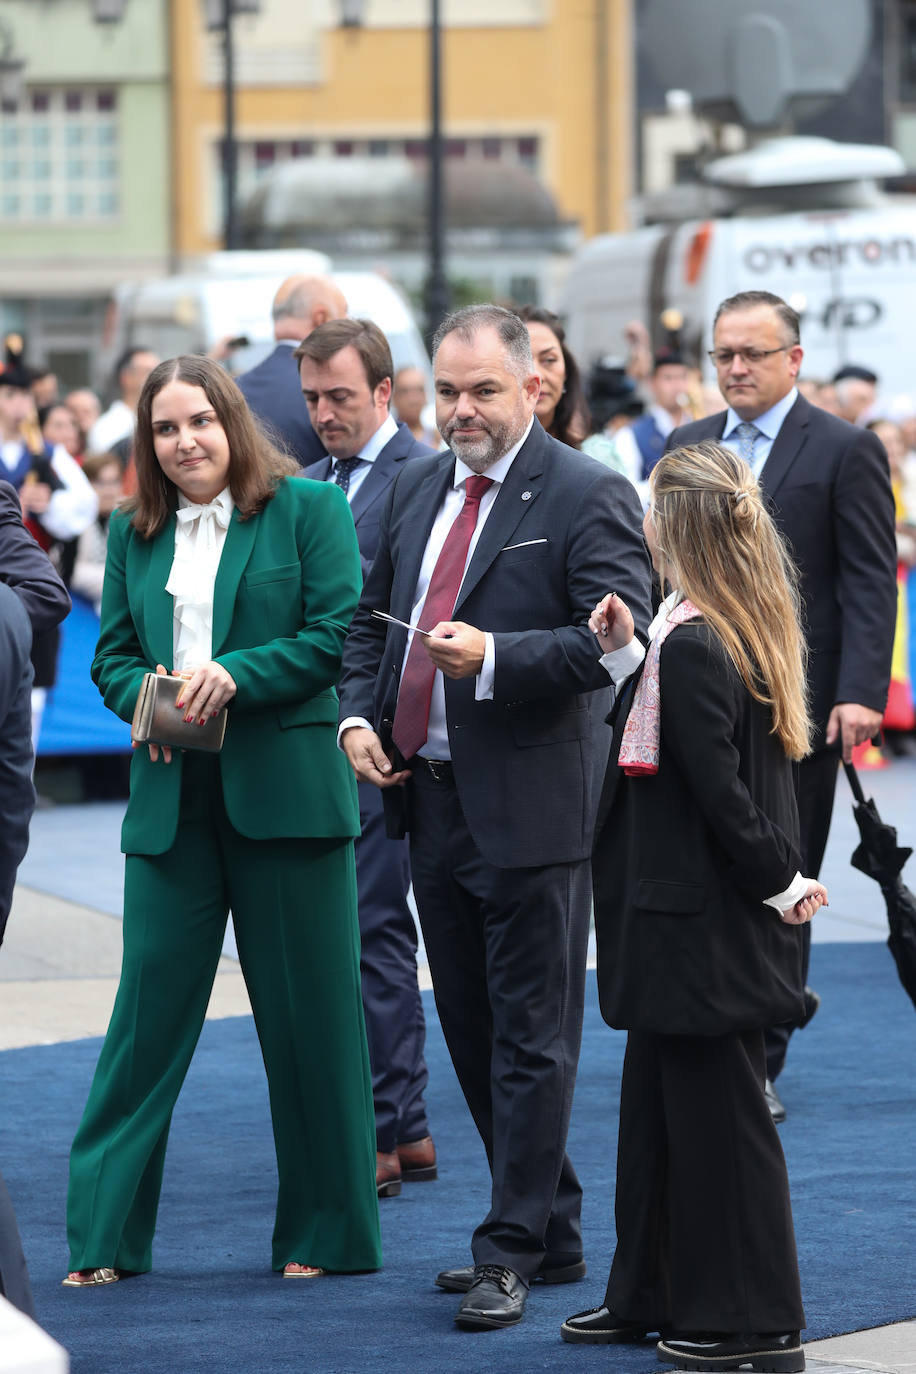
x: 72, y: 507
x: 200, y: 533
x: 116, y: 424
x: 437, y: 745
x: 367, y: 455
x: 769, y: 424
x: 622, y: 663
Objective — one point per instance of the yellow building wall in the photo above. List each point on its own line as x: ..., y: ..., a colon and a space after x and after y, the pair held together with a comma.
x: 541, y: 80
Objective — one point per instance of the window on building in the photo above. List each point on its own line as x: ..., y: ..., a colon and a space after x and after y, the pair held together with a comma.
x: 59, y: 157
x: 256, y: 157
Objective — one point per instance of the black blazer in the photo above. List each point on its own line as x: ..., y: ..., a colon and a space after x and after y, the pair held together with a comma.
x: 828, y: 487
x: 684, y: 859
x: 274, y: 392
x: 27, y: 568
x: 368, y: 502
x: 563, y: 531
x: 17, y: 795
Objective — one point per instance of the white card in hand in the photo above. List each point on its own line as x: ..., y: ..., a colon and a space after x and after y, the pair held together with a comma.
x: 393, y: 620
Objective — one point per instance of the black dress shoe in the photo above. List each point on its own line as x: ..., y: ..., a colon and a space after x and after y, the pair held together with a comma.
x: 774, y: 1102
x: 812, y: 1002
x: 495, y: 1298
x: 779, y: 1353
x: 600, y: 1326
x: 460, y: 1280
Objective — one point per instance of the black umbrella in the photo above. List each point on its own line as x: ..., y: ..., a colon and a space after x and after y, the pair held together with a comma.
x: 880, y: 857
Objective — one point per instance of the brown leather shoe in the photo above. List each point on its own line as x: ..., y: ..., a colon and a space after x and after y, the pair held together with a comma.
x: 418, y: 1160
x: 387, y: 1174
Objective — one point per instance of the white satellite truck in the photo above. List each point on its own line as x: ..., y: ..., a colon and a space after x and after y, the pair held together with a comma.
x: 801, y: 217
x: 229, y: 296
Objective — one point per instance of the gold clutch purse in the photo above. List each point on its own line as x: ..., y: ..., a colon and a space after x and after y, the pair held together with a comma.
x: 157, y: 721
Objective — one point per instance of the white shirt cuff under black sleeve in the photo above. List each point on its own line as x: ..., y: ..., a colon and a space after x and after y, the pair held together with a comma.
x: 793, y: 893
x: 620, y: 664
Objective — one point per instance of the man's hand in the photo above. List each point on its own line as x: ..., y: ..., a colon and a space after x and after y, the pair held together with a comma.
x: 456, y: 649
x: 803, y: 910
x: 851, y: 724
x: 35, y: 498
x: 368, y: 759
x: 612, y: 623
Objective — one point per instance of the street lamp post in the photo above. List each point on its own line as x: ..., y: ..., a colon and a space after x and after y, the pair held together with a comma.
x: 218, y: 16
x: 11, y: 69
x: 436, y: 291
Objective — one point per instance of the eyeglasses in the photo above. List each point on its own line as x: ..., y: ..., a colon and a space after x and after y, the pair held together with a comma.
x: 724, y: 357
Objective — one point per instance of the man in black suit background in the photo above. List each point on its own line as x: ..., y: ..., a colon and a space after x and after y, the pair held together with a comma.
x: 481, y: 739
x: 272, y: 389
x: 828, y: 486
x: 346, y: 372
x: 32, y: 597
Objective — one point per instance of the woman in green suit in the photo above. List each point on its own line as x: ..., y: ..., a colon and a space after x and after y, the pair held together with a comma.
x: 243, y: 578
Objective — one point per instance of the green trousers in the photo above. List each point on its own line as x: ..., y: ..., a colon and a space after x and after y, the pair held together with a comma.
x: 293, y: 904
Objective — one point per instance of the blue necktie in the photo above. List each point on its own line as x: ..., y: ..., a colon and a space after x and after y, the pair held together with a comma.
x: 748, y: 434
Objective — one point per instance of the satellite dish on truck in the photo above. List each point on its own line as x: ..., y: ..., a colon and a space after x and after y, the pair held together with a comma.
x: 759, y: 62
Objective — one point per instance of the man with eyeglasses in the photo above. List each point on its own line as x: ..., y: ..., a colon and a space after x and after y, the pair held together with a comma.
x: 828, y: 487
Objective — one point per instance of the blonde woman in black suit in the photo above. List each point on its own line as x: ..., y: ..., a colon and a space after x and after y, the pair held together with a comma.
x: 699, y: 905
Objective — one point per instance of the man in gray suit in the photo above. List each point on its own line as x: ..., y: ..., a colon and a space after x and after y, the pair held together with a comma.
x: 17, y: 798
x: 479, y: 734
x: 272, y: 389
x: 346, y: 372
x: 32, y: 598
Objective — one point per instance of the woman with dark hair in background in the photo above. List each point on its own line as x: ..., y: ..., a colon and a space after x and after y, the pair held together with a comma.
x: 561, y: 407
x: 242, y: 578
x: 698, y: 909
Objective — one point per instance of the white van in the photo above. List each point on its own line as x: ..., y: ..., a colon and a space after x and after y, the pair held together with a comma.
x: 850, y: 269
x: 230, y: 298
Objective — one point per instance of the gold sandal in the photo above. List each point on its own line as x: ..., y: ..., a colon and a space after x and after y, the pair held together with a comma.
x: 90, y: 1278
x: 294, y: 1270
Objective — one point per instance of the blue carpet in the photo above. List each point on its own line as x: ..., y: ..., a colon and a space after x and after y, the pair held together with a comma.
x: 212, y: 1303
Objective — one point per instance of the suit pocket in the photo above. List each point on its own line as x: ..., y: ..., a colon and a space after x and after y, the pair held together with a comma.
x: 319, y: 710
x: 535, y: 723
x: 523, y: 552
x: 286, y: 572
x: 656, y: 894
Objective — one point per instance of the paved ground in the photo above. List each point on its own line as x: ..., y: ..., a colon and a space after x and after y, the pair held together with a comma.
x: 59, y: 963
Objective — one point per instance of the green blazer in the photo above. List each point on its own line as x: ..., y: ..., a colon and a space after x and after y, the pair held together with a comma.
x: 288, y: 582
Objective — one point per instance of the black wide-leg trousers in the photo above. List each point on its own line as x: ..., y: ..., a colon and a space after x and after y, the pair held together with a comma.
x: 705, y: 1240
x: 507, y: 951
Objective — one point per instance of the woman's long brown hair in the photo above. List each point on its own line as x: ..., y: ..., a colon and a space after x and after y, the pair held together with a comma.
x: 721, y: 549
x: 255, y: 466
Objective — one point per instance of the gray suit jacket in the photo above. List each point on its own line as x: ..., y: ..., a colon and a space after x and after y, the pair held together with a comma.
x: 828, y: 487
x: 369, y: 500
x: 563, y: 531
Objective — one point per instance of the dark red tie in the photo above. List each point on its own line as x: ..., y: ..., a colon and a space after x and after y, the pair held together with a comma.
x: 411, y: 717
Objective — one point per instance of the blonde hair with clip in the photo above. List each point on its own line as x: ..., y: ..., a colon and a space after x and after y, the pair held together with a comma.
x: 721, y: 549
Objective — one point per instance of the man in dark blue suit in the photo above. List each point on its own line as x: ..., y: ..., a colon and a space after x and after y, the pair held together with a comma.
x: 499, y: 550
x: 346, y: 377
x: 827, y: 484
x: 272, y: 389
x: 32, y: 598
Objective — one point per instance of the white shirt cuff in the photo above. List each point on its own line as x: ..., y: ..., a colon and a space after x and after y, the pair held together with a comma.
x: 620, y: 664
x: 793, y: 893
x: 346, y: 724
x: 485, y: 678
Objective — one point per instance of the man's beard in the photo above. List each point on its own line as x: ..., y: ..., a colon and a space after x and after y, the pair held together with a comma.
x: 480, y: 454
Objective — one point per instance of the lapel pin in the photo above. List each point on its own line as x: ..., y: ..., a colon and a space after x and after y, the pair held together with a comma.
x: 526, y: 495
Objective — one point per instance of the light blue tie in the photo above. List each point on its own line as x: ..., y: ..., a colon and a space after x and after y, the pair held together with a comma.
x: 748, y: 434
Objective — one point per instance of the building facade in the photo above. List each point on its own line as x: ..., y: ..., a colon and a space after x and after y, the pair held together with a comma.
x: 541, y: 86
x: 84, y: 171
